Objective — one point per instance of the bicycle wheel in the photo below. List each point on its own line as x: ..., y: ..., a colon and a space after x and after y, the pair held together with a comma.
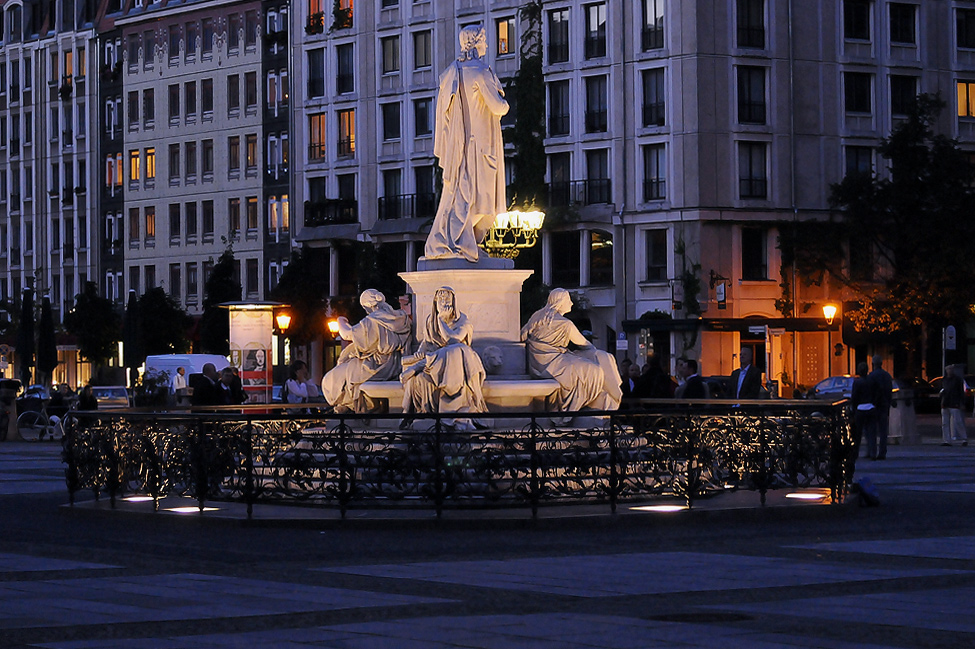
x: 33, y: 425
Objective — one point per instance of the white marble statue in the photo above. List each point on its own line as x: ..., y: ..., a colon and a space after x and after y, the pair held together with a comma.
x: 445, y: 374
x: 467, y: 140
x: 588, y: 377
x: 378, y: 341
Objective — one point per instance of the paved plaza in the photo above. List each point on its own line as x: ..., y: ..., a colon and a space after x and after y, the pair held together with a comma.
x: 725, y: 575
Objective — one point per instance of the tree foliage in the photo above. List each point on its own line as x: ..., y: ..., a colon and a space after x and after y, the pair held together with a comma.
x: 164, y: 323
x: 96, y: 324
x: 913, y: 225
x: 527, y: 92
x: 220, y: 287
x: 304, y: 286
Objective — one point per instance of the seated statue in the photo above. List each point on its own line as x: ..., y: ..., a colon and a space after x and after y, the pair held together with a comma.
x: 445, y: 374
x: 588, y: 377
x: 376, y: 351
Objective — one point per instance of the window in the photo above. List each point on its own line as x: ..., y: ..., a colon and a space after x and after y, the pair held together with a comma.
x: 174, y: 164
x: 233, y: 95
x: 966, y: 98
x: 207, y: 159
x: 316, y: 72
x: 597, y: 112
x: 174, y: 41
x: 174, y: 221
x: 207, y: 220
x: 233, y: 214
x: 233, y: 33
x: 558, y: 36
x: 148, y: 108
x: 251, y: 152
x: 316, y: 137
x: 250, y: 30
x: 595, y: 43
x: 133, y: 109
x: 656, y: 252
x: 392, y: 200
x: 345, y: 80
x: 752, y: 173
x: 390, y: 54
x: 391, y: 126
x: 856, y: 20
x: 149, y: 48
x: 175, y: 281
x: 174, y: 104
x: 133, y: 57
x: 422, y: 113
x: 965, y: 28
x: 150, y: 277
x: 135, y: 171
x: 751, y: 23
x: 206, y: 98
x: 566, y: 256
x: 346, y: 141
x: 754, y: 254
x: 190, y: 91
x: 751, y: 95
x: 253, y: 277
x: 150, y: 220
x: 902, y: 23
x: 191, y: 161
x: 191, y: 220
x: 558, y: 108
x: 600, y: 258
x: 233, y: 156
x: 652, y: 36
x: 250, y: 92
x: 150, y: 165
x: 903, y: 93
x: 505, y: 28
x: 858, y: 97
x: 597, y: 177
x: 192, y: 35
x: 859, y: 159
x: 653, y: 97
x: 192, y: 281
x: 206, y: 46
x: 134, y: 224
x: 422, y: 50
x: 252, y: 213
x: 654, y: 172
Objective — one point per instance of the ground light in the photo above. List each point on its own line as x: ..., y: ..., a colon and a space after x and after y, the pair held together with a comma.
x: 138, y: 499
x: 811, y: 495
x: 665, y: 509
x: 192, y: 509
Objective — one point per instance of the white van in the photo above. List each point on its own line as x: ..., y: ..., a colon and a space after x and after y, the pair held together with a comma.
x: 167, y: 363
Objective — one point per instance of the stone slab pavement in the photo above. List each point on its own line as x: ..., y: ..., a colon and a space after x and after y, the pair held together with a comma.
x: 731, y: 575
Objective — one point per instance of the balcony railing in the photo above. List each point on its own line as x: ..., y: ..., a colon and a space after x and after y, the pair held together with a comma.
x: 344, y: 83
x: 753, y: 187
x: 558, y: 52
x: 652, y: 37
x: 317, y: 152
x: 580, y: 192
x: 653, y: 114
x: 407, y: 206
x: 595, y: 46
x: 558, y: 125
x: 316, y: 87
x: 331, y: 212
x: 654, y: 189
x: 597, y: 121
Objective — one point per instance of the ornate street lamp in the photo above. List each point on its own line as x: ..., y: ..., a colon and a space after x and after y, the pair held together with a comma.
x: 513, y: 231
x: 829, y: 312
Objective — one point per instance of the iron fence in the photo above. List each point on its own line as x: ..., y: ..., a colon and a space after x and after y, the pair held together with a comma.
x: 280, y: 455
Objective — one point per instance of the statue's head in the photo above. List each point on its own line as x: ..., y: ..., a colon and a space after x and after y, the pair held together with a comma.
x: 445, y: 301
x: 492, y: 358
x: 560, y: 300
x: 371, y: 299
x: 473, y: 41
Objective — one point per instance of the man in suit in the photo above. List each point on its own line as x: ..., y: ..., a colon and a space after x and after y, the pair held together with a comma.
x: 209, y: 391
x: 884, y: 385
x: 694, y: 386
x: 746, y: 381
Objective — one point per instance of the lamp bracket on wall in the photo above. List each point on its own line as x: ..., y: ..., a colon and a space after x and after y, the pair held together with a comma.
x: 715, y: 278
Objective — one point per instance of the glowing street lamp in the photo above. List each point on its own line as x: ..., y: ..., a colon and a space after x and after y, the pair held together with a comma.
x: 333, y: 327
x: 513, y: 231
x: 829, y: 312
x: 283, y: 320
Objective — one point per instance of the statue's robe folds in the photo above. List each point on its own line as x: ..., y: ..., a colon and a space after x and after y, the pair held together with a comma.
x: 468, y: 143
x: 375, y: 352
x: 588, y: 377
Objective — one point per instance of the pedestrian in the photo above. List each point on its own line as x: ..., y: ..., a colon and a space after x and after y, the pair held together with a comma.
x: 207, y: 391
x: 884, y: 388
x: 694, y: 386
x: 746, y: 381
x: 230, y: 380
x: 299, y: 387
x: 952, y: 401
x: 177, y: 386
x: 864, y: 399
x: 87, y: 400
x: 657, y: 383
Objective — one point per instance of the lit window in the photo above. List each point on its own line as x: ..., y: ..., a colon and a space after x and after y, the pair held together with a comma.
x: 135, y: 172
x: 506, y: 34
x: 966, y: 99
x: 150, y: 163
x: 346, y: 143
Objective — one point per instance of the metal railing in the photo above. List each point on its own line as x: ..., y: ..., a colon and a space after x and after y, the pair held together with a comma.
x: 284, y: 455
x: 331, y: 211
x: 580, y: 192
x: 408, y: 206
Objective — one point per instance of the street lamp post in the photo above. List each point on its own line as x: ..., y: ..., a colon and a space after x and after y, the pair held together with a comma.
x: 282, y: 321
x: 829, y: 312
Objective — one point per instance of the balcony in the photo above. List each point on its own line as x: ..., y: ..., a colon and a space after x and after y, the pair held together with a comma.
x: 346, y: 147
x: 654, y: 189
x: 580, y: 192
x: 331, y: 212
x: 408, y: 206
x: 317, y: 152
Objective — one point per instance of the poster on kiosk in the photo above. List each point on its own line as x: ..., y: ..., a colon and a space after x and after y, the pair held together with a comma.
x: 250, y: 351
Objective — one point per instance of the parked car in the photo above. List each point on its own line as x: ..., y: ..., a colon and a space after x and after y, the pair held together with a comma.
x: 926, y: 397
x: 969, y: 390
x: 832, y: 388
x: 111, y: 397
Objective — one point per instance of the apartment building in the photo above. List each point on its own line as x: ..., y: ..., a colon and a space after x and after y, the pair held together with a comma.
x: 681, y: 138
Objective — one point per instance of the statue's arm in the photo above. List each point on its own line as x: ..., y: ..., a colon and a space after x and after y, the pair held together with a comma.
x: 489, y: 87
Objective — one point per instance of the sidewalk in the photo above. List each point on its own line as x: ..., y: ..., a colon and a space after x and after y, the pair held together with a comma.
x: 786, y: 576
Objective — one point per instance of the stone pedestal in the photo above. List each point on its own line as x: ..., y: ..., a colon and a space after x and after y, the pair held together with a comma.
x: 490, y: 296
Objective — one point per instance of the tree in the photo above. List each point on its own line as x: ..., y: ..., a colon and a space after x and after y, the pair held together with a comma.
x: 164, y: 323
x: 96, y: 324
x: 220, y: 287
x: 909, y: 234
x: 527, y: 92
x: 304, y: 286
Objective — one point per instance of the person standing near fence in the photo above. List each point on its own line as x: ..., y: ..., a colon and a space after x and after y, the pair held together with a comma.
x: 884, y: 386
x: 864, y: 399
x: 952, y: 400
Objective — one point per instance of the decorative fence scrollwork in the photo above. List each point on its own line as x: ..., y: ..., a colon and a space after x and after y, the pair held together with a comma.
x: 280, y: 455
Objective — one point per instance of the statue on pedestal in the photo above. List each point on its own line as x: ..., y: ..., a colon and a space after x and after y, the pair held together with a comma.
x: 467, y: 140
x: 376, y: 351
x: 445, y: 374
x: 588, y: 377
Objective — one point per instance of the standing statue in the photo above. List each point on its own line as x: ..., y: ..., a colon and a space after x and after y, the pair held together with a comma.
x: 467, y: 140
x: 588, y: 377
x: 376, y: 351
x: 445, y: 374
